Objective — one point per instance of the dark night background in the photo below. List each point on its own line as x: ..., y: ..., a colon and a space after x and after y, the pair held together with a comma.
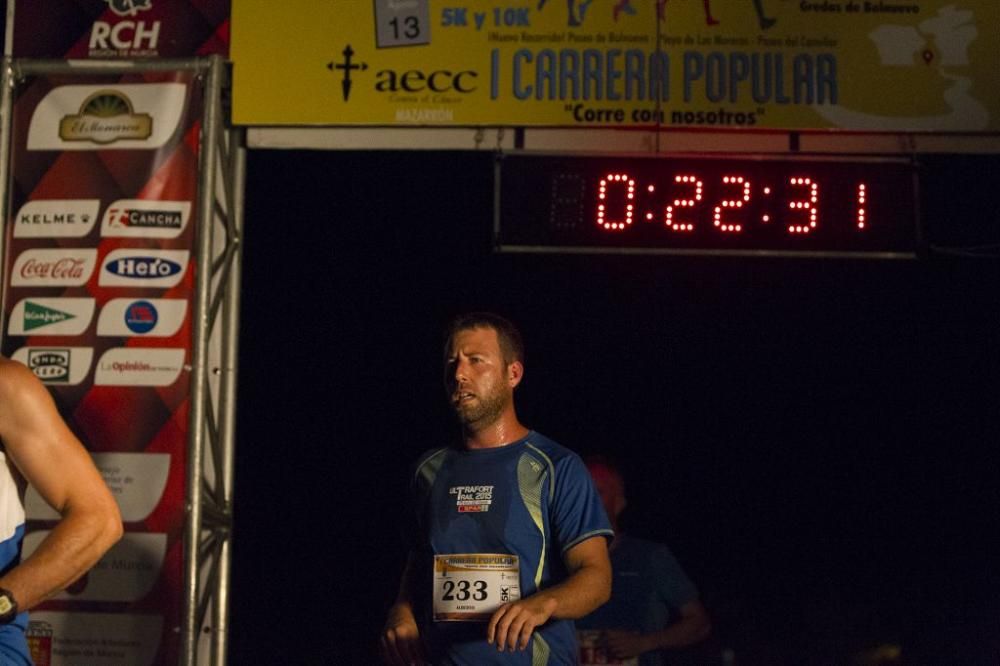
x: 814, y: 438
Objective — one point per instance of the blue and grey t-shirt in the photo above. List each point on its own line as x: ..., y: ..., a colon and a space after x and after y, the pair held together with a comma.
x: 532, y: 498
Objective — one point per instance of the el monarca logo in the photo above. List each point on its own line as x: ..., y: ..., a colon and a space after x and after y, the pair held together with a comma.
x: 106, y: 117
x: 130, y: 116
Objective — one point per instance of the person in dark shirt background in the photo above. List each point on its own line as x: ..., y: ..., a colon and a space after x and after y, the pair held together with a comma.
x: 654, y: 606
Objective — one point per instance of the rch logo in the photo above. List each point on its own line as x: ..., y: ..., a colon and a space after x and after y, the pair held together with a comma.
x: 347, y: 66
x: 129, y: 7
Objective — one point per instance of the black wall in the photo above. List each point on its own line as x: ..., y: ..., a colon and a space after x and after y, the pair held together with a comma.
x: 815, y: 439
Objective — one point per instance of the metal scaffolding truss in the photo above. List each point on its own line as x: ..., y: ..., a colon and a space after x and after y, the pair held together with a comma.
x: 215, y: 333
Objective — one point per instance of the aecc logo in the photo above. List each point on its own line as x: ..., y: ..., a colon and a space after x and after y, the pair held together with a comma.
x: 411, y: 80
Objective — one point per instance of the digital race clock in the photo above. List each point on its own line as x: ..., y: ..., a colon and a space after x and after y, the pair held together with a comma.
x: 706, y: 204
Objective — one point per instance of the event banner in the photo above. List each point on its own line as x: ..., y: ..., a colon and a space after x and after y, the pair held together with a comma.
x: 98, y: 281
x: 863, y: 65
x: 108, y: 29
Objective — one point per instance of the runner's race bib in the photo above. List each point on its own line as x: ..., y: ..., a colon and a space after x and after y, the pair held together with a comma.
x: 470, y: 587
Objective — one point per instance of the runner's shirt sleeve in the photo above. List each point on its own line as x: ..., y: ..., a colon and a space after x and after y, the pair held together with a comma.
x: 577, y: 512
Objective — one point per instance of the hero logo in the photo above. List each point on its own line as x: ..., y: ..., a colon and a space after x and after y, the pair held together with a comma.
x: 150, y: 268
x: 125, y: 37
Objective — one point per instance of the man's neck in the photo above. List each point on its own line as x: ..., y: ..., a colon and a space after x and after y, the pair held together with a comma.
x: 505, y: 430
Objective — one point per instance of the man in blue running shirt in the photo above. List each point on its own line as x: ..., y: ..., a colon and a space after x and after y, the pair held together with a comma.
x: 508, y: 538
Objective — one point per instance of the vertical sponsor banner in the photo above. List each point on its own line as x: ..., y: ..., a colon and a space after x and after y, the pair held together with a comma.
x: 97, y: 301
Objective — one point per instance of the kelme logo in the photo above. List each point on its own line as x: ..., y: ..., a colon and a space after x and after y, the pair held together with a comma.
x: 105, y: 117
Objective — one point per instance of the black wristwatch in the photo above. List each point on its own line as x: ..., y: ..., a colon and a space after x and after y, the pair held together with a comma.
x: 8, y: 606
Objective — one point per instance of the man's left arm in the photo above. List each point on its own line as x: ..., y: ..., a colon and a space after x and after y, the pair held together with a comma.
x: 54, y: 461
x: 587, y: 587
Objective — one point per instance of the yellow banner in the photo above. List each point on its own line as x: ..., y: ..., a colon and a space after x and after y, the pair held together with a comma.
x: 864, y: 65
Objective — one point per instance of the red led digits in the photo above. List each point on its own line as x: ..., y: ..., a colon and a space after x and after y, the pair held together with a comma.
x: 862, y: 198
x: 696, y: 187
x: 604, y: 218
x: 809, y: 205
x: 731, y: 203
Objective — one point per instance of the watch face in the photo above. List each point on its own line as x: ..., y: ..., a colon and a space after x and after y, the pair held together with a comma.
x: 6, y: 605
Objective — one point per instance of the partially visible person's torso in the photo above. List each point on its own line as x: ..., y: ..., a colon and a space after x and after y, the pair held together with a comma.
x: 648, y: 588
x: 531, y: 499
x: 13, y: 645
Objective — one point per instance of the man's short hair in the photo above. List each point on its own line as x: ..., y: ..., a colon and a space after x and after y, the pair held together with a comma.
x: 511, y: 343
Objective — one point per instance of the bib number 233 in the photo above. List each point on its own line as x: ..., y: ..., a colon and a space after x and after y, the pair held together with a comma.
x: 470, y: 587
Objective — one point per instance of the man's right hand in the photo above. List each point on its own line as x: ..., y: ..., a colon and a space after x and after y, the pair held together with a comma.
x: 400, y: 643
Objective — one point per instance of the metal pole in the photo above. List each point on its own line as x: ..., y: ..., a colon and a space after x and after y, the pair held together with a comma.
x: 6, y: 128
x: 211, y: 126
x: 227, y: 390
x: 29, y: 66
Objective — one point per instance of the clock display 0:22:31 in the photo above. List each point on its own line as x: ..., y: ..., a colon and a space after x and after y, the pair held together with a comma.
x: 741, y: 203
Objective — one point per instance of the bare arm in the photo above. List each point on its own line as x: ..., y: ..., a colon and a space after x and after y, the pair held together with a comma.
x: 588, y: 586
x: 692, y: 627
x: 400, y: 643
x: 53, y: 460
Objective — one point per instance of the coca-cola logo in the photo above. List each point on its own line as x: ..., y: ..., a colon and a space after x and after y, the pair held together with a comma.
x: 42, y: 267
x: 66, y: 267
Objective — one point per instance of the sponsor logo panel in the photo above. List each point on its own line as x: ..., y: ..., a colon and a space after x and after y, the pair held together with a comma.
x: 151, y: 317
x: 56, y: 218
x: 51, y: 316
x: 95, y: 639
x: 127, y: 572
x: 123, y: 117
x: 143, y: 268
x: 140, y: 218
x: 139, y: 366
x: 136, y: 480
x: 53, y: 267
x: 57, y: 366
